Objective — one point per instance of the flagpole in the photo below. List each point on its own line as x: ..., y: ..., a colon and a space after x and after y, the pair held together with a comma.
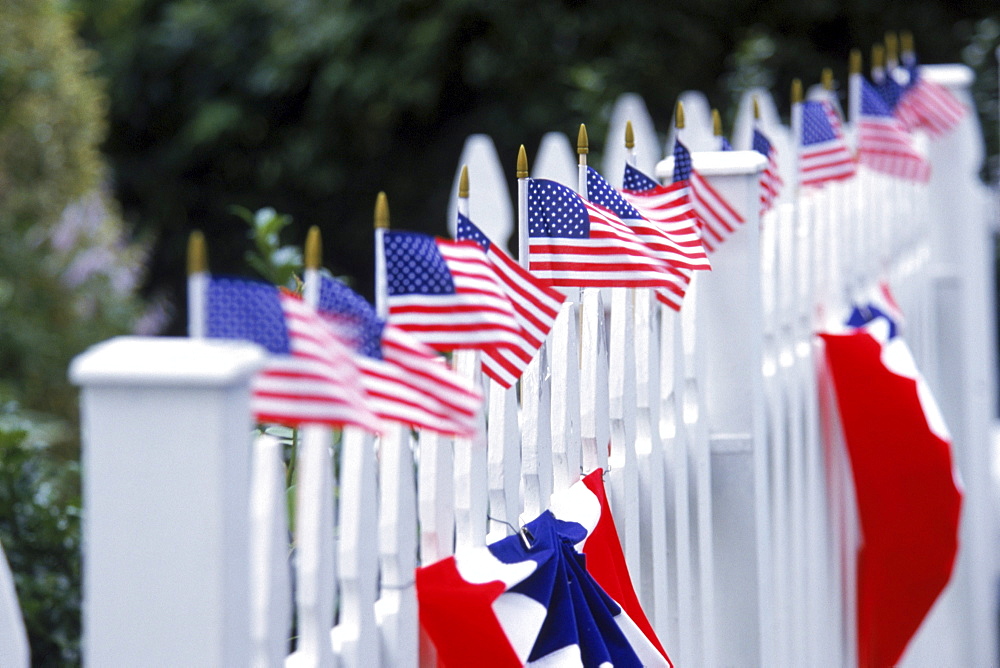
x: 907, y: 55
x: 582, y: 149
x: 313, y: 261
x: 854, y: 95
x: 523, y: 246
x: 891, y: 51
x: 381, y: 277
x: 717, y: 129
x: 197, y: 285
x: 629, y: 143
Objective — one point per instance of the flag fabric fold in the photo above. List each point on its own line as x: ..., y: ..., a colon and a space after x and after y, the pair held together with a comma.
x: 717, y: 219
x: 526, y: 600
x: 770, y: 179
x: 446, y: 293
x: 575, y: 243
x: 908, y: 497
x: 405, y: 380
x: 536, y: 307
x: 310, y: 376
x: 674, y: 256
x: 928, y: 106
x: 884, y: 145
x: 823, y: 152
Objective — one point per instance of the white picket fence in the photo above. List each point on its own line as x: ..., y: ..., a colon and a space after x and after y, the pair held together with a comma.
x: 738, y: 531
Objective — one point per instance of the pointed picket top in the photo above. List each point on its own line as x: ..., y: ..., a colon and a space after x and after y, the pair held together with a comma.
x: 697, y: 123
x: 827, y: 78
x: 582, y: 141
x: 797, y: 96
x: 313, y: 249
x: 556, y: 160
x: 629, y: 135
x: 490, y: 205
x: 629, y: 108
x: 522, y: 163
x: 768, y: 121
x: 197, y: 255
x: 716, y: 123
x: 463, y: 182
x: 854, y: 63
x: 381, y: 212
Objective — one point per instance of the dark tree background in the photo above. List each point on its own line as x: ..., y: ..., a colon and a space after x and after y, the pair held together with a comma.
x: 314, y: 106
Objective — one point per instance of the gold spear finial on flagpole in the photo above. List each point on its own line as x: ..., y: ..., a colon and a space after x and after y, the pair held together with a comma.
x: 629, y: 135
x: 891, y: 47
x: 756, y: 108
x: 854, y: 63
x: 314, y: 248
x: 522, y: 163
x: 197, y: 256
x: 582, y: 142
x: 827, y: 78
x: 906, y: 42
x: 679, y: 116
x: 716, y: 123
x: 381, y: 212
x: 463, y: 182
x: 797, y: 91
x: 878, y: 57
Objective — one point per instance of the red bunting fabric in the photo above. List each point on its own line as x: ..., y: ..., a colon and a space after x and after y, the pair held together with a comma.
x: 908, y: 498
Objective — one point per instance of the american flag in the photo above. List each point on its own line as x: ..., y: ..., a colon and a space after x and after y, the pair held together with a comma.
x: 770, y: 178
x: 716, y: 217
x: 406, y: 381
x: 446, y: 294
x: 884, y: 144
x: 928, y: 106
x: 310, y: 378
x: 669, y: 206
x: 599, y: 191
x: 823, y: 153
x: 536, y: 306
x: 574, y: 243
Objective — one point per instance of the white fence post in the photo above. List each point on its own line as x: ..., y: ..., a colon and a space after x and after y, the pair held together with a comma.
x: 166, y: 457
x: 13, y: 638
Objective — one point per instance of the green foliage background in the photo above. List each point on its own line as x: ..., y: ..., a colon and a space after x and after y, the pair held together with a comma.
x: 313, y: 106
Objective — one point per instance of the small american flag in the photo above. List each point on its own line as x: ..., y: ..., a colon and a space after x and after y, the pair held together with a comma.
x: 536, y: 306
x: 717, y: 218
x: 884, y: 144
x: 929, y: 106
x: 599, y: 191
x: 310, y: 378
x: 770, y: 178
x: 406, y: 381
x: 823, y: 154
x: 669, y: 206
x: 446, y: 294
x: 574, y: 243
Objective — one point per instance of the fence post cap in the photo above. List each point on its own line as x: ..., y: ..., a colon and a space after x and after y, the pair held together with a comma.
x: 167, y: 361
x: 716, y: 163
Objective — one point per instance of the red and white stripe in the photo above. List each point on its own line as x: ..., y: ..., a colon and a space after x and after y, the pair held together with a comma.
x: 536, y: 306
x: 718, y: 218
x: 318, y: 383
x: 885, y: 146
x: 477, y: 315
x: 931, y: 107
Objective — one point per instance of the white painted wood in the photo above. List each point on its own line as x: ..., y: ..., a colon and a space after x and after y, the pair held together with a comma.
x: 595, y: 429
x: 556, y: 159
x: 623, y: 476
x: 435, y: 490
x: 536, y: 438
x: 355, y: 638
x: 270, y: 572
x: 166, y: 450
x: 651, y: 464
x: 13, y: 638
x: 564, y: 361
x: 471, y: 467
x: 396, y: 608
x: 645, y: 154
x: 504, y: 461
x: 315, y: 549
x: 489, y: 200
